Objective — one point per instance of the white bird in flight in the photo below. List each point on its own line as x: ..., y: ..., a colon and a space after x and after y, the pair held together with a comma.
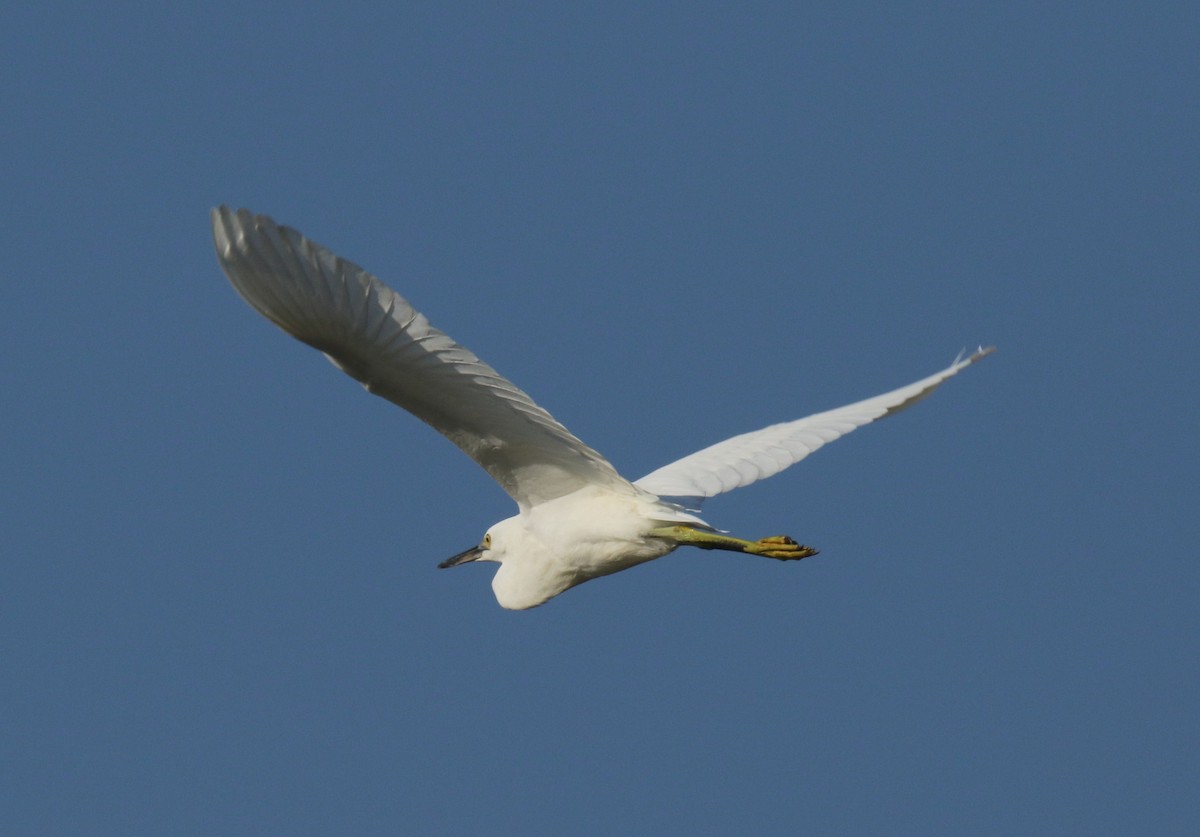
x: 578, y: 518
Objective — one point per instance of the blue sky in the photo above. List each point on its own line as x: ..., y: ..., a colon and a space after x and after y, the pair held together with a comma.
x: 668, y: 222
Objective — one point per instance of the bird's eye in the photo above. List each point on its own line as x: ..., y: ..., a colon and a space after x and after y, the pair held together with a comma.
x: 487, y: 541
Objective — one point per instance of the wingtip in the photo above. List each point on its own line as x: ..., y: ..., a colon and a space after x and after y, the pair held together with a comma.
x: 232, y: 225
x: 224, y: 214
x: 227, y: 222
x: 964, y: 359
x: 239, y: 217
x: 219, y: 216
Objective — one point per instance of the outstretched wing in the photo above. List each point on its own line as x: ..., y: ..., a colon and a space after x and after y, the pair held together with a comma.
x: 763, y: 453
x: 372, y: 334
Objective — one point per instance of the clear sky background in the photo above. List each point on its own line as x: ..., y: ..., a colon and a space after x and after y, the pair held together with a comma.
x: 670, y: 223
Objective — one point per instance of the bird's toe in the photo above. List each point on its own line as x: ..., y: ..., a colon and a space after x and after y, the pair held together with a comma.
x: 783, y: 548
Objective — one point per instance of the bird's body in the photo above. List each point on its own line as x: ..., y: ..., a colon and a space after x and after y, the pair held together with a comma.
x: 591, y: 532
x: 577, y: 519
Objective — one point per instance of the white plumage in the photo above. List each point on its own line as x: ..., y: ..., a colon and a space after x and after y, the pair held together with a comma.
x: 577, y: 517
x: 753, y: 456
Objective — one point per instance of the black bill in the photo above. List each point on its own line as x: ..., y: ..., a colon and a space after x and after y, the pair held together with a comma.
x: 469, y: 555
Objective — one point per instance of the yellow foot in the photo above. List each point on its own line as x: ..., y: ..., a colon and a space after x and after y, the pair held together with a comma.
x: 782, y: 548
x: 779, y: 547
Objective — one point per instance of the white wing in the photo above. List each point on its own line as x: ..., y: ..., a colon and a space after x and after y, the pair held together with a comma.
x: 372, y: 334
x: 763, y: 453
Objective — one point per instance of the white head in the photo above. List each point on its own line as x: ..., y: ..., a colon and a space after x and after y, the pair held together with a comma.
x: 527, y: 576
x: 491, y: 548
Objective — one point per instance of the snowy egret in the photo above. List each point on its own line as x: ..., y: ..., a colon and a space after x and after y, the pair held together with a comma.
x: 578, y: 518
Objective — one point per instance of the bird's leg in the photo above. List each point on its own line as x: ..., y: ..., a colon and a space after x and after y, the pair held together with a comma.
x: 780, y: 547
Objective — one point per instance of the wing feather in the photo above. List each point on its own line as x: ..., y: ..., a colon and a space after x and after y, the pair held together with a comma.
x: 372, y: 334
x: 753, y: 456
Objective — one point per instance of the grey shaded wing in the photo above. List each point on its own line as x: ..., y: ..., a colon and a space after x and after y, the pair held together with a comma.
x: 373, y: 335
